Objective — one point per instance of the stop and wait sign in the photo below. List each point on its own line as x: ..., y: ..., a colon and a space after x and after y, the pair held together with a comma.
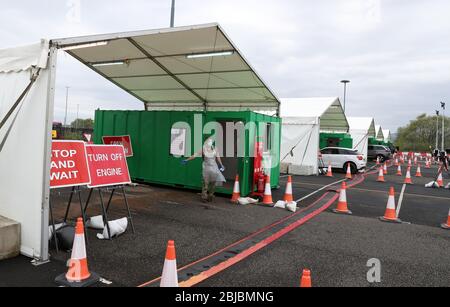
x: 73, y: 163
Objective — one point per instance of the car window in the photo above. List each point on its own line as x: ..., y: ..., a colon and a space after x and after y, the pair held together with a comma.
x: 370, y: 147
x: 347, y: 152
x: 326, y: 151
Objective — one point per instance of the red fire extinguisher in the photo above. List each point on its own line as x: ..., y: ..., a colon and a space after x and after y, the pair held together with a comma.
x: 261, y: 183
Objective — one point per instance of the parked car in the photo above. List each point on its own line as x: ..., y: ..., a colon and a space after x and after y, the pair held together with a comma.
x: 379, y: 151
x: 340, y: 158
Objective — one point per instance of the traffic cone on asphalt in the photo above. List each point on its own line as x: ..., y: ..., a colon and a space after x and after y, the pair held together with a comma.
x: 330, y: 171
x: 408, y: 176
x: 169, y: 277
x: 267, y: 199
x: 236, y: 191
x: 428, y: 164
x: 305, y: 281
x: 391, y: 214
x: 342, y: 206
x: 399, y: 170
x: 381, y: 175
x: 440, y: 180
x: 349, y: 172
x: 288, y: 194
x: 396, y: 162
x: 447, y: 226
x: 385, y: 169
x: 78, y: 274
x: 419, y: 171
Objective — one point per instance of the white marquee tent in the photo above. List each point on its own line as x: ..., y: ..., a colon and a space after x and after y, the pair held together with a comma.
x: 387, y: 135
x: 379, y: 133
x: 185, y: 68
x: 303, y: 121
x: 361, y: 129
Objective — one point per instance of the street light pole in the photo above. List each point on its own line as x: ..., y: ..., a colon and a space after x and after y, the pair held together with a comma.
x: 67, y: 99
x: 172, y: 15
x: 76, y: 120
x: 437, y: 130
x: 345, y: 92
x: 443, y: 125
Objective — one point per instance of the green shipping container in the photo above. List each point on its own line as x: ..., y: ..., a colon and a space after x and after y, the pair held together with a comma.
x: 151, y: 137
x: 336, y: 140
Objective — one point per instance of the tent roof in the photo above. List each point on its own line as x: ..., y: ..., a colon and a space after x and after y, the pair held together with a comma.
x: 379, y: 131
x: 328, y: 109
x: 366, y: 124
x: 24, y: 57
x: 387, y: 135
x: 176, y: 68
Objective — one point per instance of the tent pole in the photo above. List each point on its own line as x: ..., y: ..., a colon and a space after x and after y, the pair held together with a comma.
x: 43, y: 255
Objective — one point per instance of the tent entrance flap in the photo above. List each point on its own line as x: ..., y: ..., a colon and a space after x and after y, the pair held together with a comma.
x: 196, y: 68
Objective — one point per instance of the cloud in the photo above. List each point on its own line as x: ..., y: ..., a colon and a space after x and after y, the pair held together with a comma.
x: 394, y: 52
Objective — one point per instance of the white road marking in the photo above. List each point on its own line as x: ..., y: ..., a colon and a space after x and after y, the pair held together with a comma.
x: 400, y: 200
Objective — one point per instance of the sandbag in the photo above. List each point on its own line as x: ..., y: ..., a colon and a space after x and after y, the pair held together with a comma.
x: 432, y: 184
x: 96, y: 222
x: 247, y: 200
x: 116, y: 228
x: 291, y: 206
x: 280, y: 204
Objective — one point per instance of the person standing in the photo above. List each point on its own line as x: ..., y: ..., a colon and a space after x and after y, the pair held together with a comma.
x: 212, y: 169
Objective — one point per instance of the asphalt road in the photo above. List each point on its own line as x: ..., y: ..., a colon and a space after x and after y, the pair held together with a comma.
x: 336, y: 248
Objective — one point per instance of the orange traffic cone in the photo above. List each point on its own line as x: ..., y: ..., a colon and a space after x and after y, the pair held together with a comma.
x: 428, y: 164
x: 236, y: 191
x: 390, y: 215
x: 267, y: 199
x: 169, y: 277
x: 396, y: 162
x: 349, y: 172
x: 419, y: 171
x: 381, y: 175
x: 440, y: 180
x: 408, y: 176
x: 288, y: 194
x: 78, y: 274
x: 447, y: 226
x: 305, y: 281
x: 399, y: 170
x: 385, y: 170
x: 330, y: 171
x: 342, y: 207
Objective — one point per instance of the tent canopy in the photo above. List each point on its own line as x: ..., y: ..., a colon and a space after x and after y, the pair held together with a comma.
x: 363, y: 124
x: 379, y: 131
x: 184, y: 68
x: 328, y: 109
x: 387, y: 135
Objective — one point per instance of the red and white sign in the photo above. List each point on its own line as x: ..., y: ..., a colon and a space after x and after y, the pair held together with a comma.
x: 88, y: 137
x: 107, y: 165
x: 68, y: 166
x: 124, y: 140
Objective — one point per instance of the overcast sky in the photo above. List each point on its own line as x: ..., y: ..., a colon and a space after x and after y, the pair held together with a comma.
x: 395, y: 52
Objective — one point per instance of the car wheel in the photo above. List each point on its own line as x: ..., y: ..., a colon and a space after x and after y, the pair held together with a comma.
x: 353, y: 167
x: 381, y: 157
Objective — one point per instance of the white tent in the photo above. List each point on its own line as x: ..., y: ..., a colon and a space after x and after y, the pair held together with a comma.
x: 303, y: 121
x: 26, y: 108
x: 379, y: 133
x: 185, y: 68
x: 387, y: 135
x: 361, y: 129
